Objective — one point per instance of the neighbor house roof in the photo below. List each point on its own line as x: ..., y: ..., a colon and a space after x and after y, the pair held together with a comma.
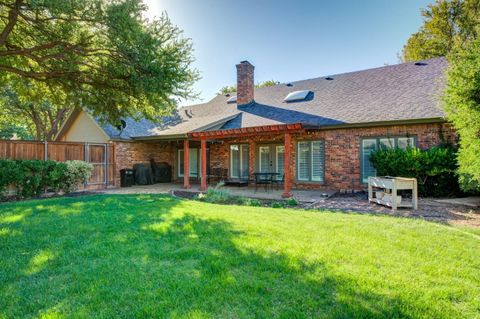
x: 401, y: 92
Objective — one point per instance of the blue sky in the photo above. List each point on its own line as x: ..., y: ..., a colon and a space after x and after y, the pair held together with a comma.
x: 290, y: 40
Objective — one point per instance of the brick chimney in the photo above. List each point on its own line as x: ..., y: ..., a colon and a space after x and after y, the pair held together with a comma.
x: 245, y: 82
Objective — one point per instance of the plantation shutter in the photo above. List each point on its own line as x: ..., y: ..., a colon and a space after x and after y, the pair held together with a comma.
x: 317, y: 160
x: 280, y: 154
x: 234, y: 161
x: 368, y: 147
x: 303, y: 161
x: 239, y: 160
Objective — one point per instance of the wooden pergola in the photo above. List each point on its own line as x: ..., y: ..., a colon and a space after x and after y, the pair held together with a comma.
x: 203, y: 137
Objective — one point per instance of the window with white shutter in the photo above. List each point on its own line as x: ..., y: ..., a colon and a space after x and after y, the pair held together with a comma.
x: 239, y: 160
x: 280, y: 159
x: 317, y: 161
x: 310, y: 161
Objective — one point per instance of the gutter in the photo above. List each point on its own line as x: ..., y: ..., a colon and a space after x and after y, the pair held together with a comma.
x: 382, y: 123
x: 171, y: 137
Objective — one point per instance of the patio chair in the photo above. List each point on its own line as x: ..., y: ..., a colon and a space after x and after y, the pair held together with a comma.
x: 278, y: 181
x: 262, y: 179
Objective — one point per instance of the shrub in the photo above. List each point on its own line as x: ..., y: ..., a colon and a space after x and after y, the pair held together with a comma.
x: 254, y: 203
x: 32, y: 177
x: 9, y: 172
x: 279, y: 205
x: 77, y: 172
x: 292, y: 202
x: 35, y: 177
x: 435, y: 168
x: 214, y: 195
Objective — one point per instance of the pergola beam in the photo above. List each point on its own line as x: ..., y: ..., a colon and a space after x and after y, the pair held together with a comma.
x: 248, y: 131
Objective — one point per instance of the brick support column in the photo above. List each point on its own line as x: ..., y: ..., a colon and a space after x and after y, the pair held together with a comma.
x: 186, y: 164
x: 287, y: 184
x: 251, y: 157
x: 203, y: 161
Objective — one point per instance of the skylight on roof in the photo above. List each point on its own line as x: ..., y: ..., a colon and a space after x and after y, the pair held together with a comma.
x: 232, y: 99
x: 297, y: 96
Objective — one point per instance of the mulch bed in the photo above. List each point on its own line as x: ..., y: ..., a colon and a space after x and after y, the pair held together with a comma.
x: 185, y: 194
x: 428, y: 209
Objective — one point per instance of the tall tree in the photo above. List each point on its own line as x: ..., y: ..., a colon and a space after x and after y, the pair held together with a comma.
x: 233, y: 88
x: 462, y: 104
x: 98, y: 54
x: 447, y: 24
x: 35, y: 106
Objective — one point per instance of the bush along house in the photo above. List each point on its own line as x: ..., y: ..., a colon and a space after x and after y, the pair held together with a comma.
x: 315, y: 133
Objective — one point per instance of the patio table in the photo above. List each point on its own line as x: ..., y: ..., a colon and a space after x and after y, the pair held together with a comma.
x: 264, y: 178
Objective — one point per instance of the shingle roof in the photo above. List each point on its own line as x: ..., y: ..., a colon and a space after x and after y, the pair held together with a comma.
x: 404, y: 91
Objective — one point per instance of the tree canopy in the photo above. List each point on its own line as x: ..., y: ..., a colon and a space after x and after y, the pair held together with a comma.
x: 446, y: 24
x: 35, y: 106
x: 98, y: 54
x: 451, y: 28
x: 462, y: 104
x: 233, y: 88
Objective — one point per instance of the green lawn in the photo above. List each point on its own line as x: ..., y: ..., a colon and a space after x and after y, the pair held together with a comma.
x: 156, y: 256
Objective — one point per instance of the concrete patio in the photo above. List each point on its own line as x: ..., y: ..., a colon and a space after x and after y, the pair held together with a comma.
x: 306, y: 196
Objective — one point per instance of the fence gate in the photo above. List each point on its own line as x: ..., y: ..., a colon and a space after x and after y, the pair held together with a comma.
x: 96, y: 154
x: 101, y: 156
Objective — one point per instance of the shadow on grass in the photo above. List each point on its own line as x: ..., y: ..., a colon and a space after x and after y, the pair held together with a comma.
x: 149, y: 256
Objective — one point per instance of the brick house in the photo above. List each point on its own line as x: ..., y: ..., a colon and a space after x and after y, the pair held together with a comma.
x: 315, y: 133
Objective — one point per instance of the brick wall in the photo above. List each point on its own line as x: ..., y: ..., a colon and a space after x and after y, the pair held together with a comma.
x: 342, y: 151
x: 129, y: 153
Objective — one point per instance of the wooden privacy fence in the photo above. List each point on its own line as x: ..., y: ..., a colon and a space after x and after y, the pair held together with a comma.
x: 101, y: 156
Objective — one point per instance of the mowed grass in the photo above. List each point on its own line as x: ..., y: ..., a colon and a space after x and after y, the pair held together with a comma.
x: 143, y: 256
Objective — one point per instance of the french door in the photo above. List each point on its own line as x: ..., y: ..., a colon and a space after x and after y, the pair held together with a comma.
x: 264, y: 163
x: 271, y: 159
